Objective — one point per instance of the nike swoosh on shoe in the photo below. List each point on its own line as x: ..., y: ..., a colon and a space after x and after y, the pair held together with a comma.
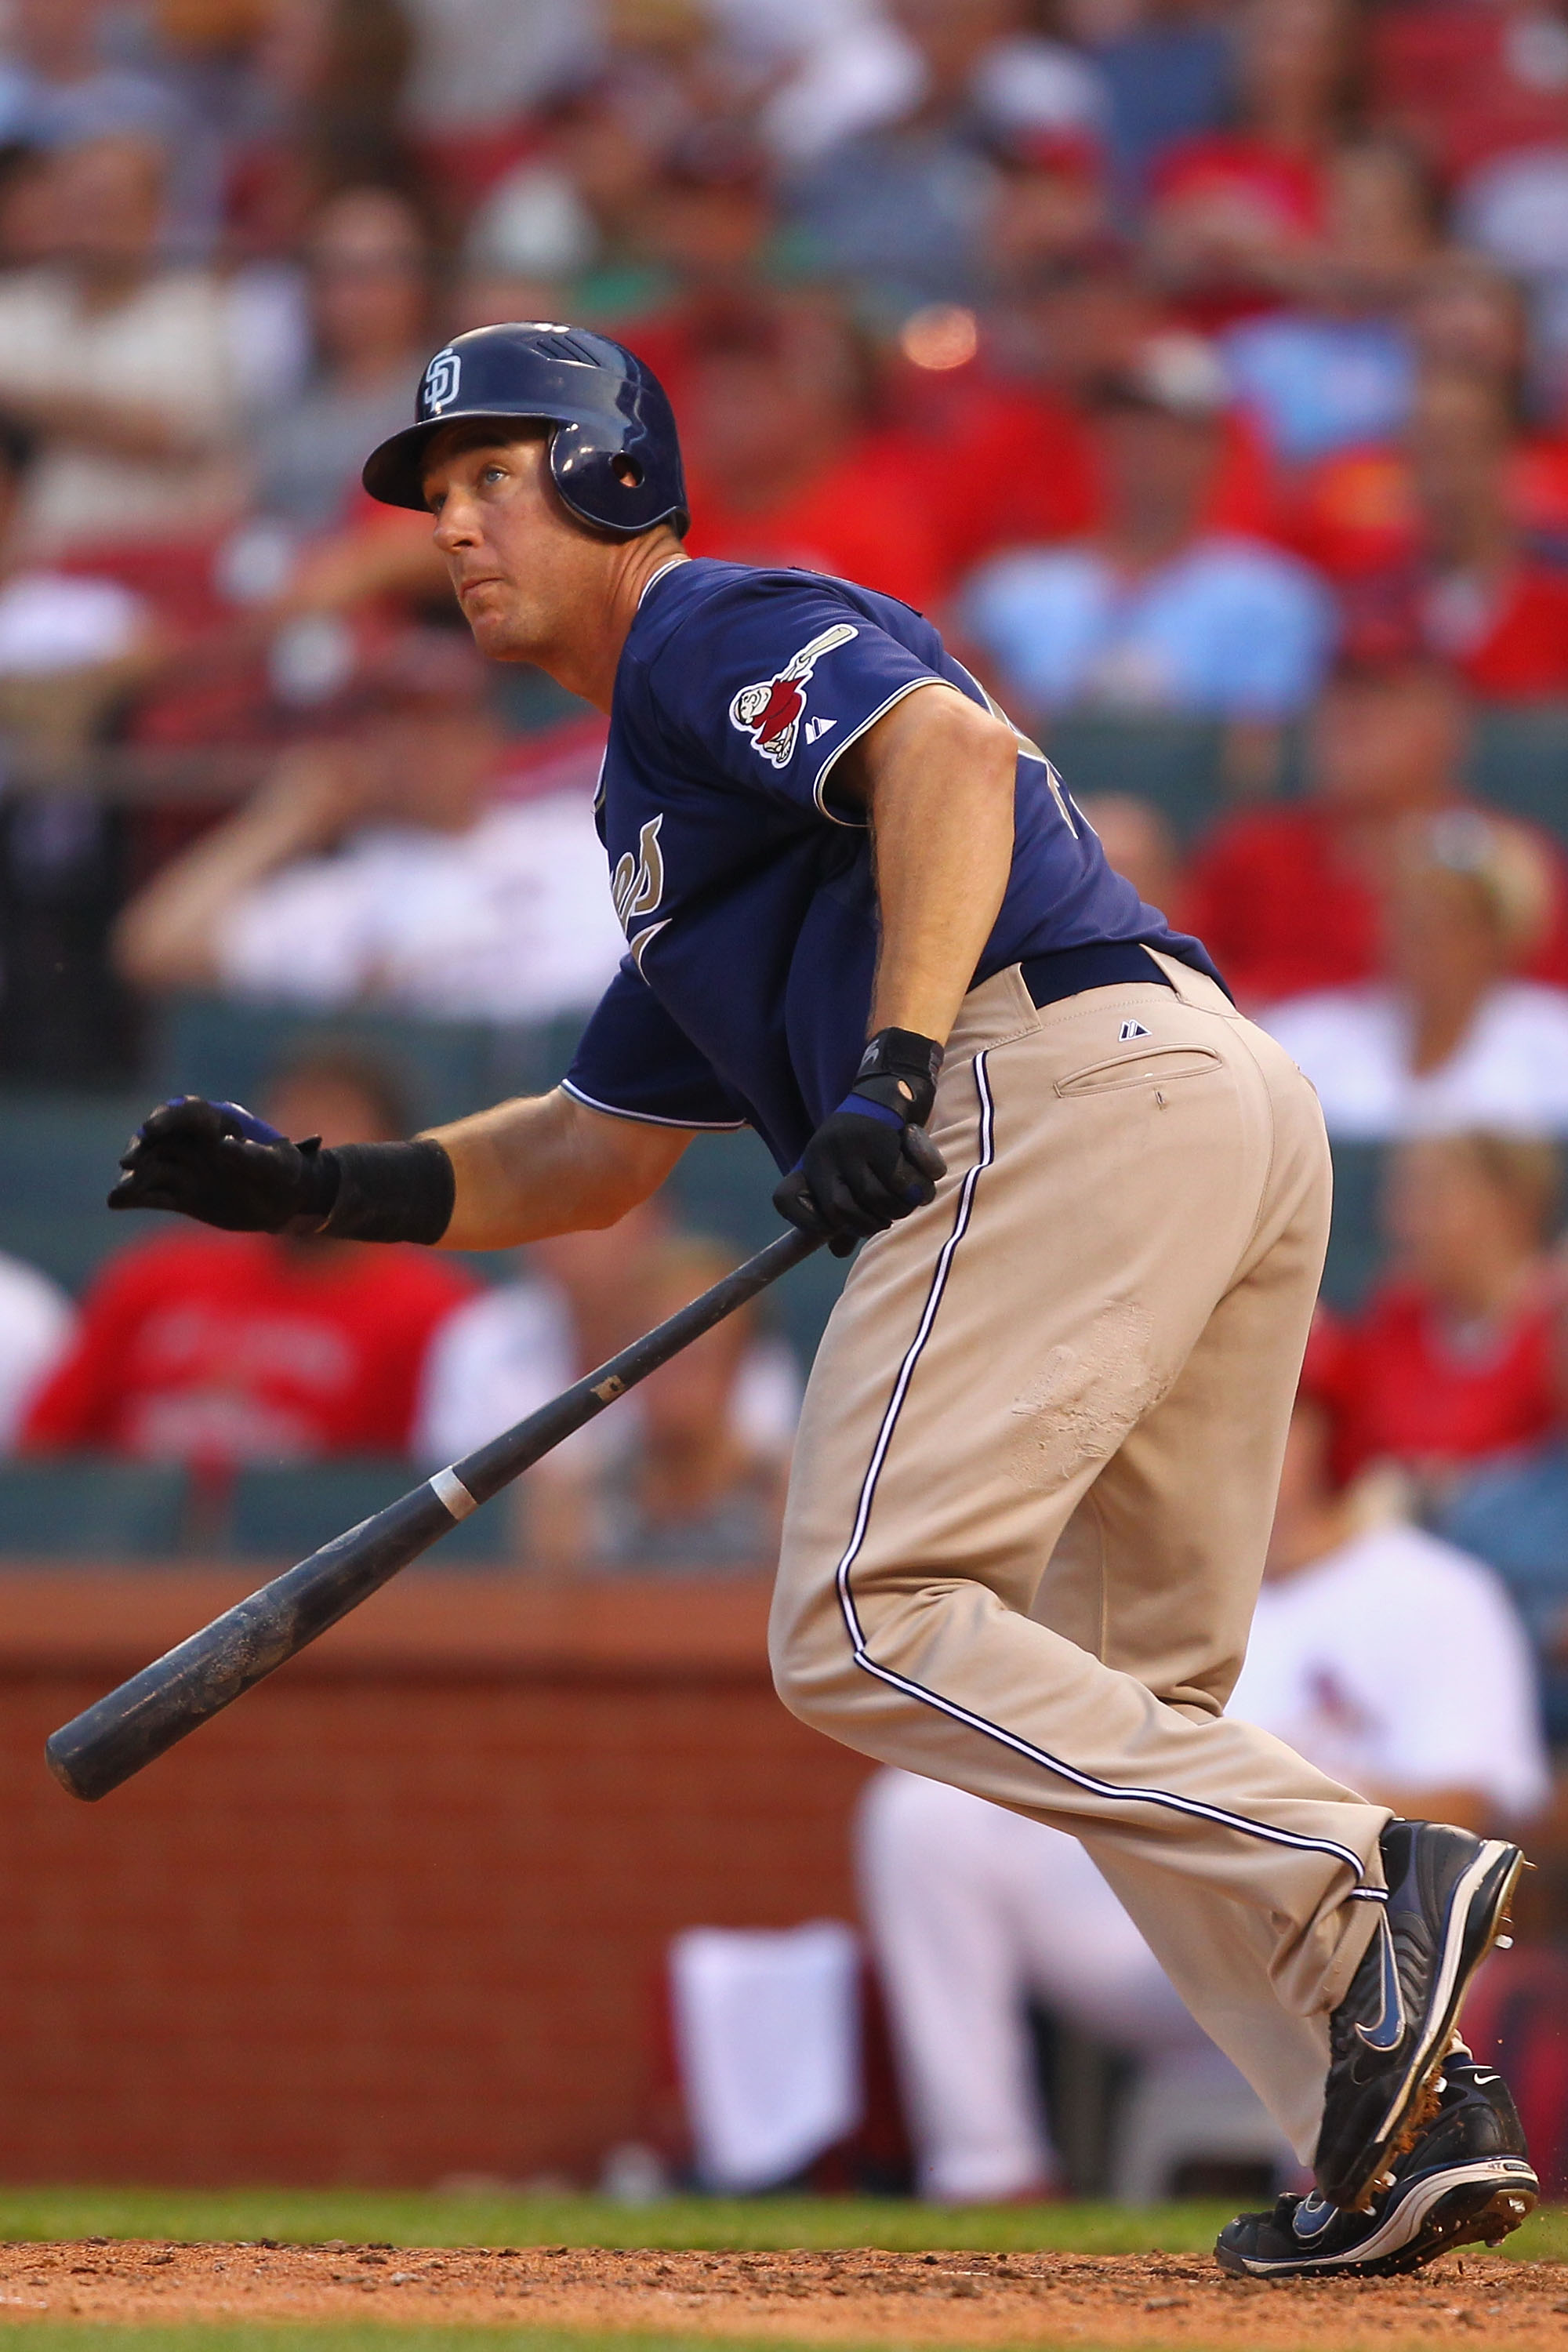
x: 1388, y: 2031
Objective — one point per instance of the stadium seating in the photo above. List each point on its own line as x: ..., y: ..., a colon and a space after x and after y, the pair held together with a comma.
x: 1518, y: 761
x: 723, y: 1186
x: 1356, y: 1246
x: 284, y: 1511
x: 88, y: 1506
x: 1175, y: 763
x: 92, y: 1509
x: 58, y: 1156
x: 209, y: 1046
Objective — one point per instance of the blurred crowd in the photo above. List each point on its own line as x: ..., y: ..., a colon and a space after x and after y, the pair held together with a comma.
x: 1198, y: 363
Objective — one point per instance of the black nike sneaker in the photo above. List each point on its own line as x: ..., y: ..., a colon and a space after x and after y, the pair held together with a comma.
x: 1448, y: 1904
x: 1468, y: 2179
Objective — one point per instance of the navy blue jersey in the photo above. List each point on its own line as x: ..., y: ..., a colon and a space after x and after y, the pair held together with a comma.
x: 744, y: 881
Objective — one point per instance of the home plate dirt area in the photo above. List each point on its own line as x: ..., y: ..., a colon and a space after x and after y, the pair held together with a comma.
x: 850, y: 2297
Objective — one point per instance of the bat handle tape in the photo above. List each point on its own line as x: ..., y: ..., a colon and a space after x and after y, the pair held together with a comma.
x: 449, y: 1489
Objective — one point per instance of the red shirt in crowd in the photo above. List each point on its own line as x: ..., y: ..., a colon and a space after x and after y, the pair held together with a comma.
x: 864, y: 517
x: 1355, y: 517
x: 1457, y: 78
x: 1539, y: 483
x: 1284, y: 188
x: 1353, y: 514
x: 1253, y: 197
x: 1282, y: 909
x: 236, y: 1347
x: 1509, y: 640
x: 1278, y: 908
x: 1405, y: 1388
x: 993, y: 464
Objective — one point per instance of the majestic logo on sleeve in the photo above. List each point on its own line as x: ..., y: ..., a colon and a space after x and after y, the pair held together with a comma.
x: 771, y: 711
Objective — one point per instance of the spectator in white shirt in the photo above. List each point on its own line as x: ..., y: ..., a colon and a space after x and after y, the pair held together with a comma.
x: 506, y: 1352
x: 1390, y: 1659
x: 479, y: 65
x: 688, y: 1487
x: 382, y: 868
x: 36, y: 1320
x: 1451, y: 1039
x: 122, y: 368
x: 1158, y: 612
x: 370, y: 288
x: 70, y: 645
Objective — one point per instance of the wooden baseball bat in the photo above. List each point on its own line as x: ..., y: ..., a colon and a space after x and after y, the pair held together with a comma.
x: 117, y: 1735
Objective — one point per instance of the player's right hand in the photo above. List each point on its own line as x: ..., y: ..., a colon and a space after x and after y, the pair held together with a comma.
x: 871, y: 1161
x: 858, y: 1176
x: 219, y: 1163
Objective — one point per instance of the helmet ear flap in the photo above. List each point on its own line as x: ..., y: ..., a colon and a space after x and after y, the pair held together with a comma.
x: 608, y: 487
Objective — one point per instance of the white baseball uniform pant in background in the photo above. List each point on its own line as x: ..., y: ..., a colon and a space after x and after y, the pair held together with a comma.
x: 972, y: 1911
x: 1036, y: 1476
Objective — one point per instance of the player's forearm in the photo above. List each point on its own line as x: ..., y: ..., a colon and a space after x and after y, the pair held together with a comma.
x: 393, y: 559
x: 168, y: 935
x: 940, y: 788
x: 547, y: 1165
x: 124, y: 428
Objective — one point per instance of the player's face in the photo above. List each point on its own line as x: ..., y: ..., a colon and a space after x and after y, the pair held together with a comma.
x: 523, y: 570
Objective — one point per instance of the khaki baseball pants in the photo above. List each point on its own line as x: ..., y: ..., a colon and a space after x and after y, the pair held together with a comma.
x: 1034, y: 1479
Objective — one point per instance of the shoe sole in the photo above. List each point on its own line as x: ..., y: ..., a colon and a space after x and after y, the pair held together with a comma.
x: 1477, y: 1916
x: 1463, y: 2205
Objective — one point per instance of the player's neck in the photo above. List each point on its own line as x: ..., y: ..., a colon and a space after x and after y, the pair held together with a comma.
x: 587, y: 654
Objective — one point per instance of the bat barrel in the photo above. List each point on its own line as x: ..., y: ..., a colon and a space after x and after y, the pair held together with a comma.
x: 186, y: 1687
x: 116, y: 1736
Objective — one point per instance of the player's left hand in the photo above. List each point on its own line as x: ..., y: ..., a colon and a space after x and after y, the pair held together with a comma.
x: 218, y: 1162
x: 871, y: 1161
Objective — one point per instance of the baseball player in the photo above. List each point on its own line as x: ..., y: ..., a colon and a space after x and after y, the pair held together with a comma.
x: 1038, y: 1455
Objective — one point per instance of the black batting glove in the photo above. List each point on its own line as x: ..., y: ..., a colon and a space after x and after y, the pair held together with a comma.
x: 871, y: 1161
x: 221, y: 1164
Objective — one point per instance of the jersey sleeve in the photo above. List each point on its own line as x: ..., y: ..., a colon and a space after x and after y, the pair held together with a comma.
x: 774, y: 681
x: 635, y: 1062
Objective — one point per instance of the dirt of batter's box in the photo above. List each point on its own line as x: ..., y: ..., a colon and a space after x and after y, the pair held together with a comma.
x: 860, y: 2297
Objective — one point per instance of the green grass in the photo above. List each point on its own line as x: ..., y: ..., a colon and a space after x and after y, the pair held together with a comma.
x: 359, y: 2216
x: 303, y: 2216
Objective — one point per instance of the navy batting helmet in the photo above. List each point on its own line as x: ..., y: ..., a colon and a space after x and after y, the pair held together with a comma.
x: 614, y: 453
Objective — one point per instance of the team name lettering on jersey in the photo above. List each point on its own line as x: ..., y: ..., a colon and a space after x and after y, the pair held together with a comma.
x: 636, y: 885
x: 771, y: 711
